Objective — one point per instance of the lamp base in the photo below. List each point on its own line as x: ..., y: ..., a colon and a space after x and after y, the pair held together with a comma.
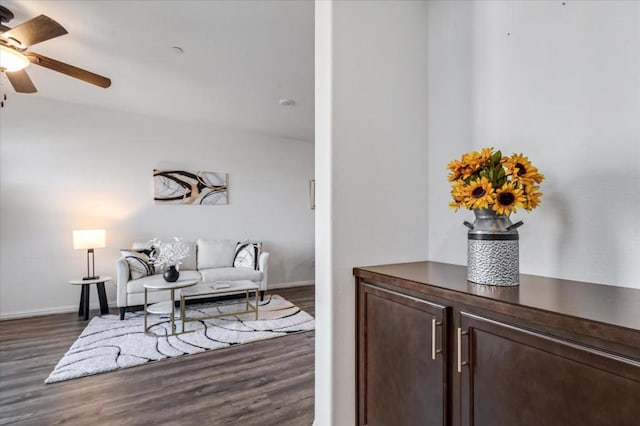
x: 90, y: 278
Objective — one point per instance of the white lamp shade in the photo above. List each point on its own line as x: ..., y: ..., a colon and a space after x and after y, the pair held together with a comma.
x: 89, y: 239
x: 12, y: 60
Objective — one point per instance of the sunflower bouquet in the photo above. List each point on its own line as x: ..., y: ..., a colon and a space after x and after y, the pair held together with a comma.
x: 488, y: 180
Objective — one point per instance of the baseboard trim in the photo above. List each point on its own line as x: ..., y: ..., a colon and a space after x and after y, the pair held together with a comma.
x: 291, y: 284
x: 48, y: 311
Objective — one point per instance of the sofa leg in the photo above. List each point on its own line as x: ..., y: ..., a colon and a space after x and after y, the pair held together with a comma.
x: 122, y: 311
x: 262, y: 295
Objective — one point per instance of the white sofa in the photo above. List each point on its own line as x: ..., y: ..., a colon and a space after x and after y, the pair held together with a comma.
x: 208, y: 261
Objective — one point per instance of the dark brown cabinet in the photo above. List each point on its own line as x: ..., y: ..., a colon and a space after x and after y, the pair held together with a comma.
x: 404, y: 381
x: 538, y: 379
x: 433, y: 349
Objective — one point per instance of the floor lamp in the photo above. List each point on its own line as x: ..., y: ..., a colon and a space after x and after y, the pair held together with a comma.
x: 90, y: 239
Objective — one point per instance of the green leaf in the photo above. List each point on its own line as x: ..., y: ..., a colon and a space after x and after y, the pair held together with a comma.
x: 495, y: 158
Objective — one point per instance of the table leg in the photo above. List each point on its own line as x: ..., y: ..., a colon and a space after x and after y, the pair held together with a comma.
x: 256, y: 305
x: 246, y: 299
x: 85, y: 301
x: 145, y: 310
x: 182, y: 313
x: 173, y: 312
x: 81, y: 305
x: 102, y: 296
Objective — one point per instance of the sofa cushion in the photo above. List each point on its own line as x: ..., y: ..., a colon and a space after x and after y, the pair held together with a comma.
x: 215, y: 253
x: 247, y: 255
x: 230, y: 274
x: 140, y: 265
x: 189, y: 262
x: 137, y: 286
x: 142, y: 245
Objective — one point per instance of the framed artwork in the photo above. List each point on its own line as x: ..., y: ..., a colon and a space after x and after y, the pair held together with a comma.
x: 185, y: 187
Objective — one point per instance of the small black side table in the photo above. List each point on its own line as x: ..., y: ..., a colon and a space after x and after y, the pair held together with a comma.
x: 84, y: 295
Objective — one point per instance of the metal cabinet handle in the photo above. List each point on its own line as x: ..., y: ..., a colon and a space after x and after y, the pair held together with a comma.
x: 434, y: 351
x: 460, y: 362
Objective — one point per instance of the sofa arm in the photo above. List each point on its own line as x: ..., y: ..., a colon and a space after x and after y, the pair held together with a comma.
x: 122, y: 278
x: 263, y: 266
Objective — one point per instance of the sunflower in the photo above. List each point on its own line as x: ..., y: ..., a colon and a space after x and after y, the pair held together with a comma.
x: 508, y: 198
x: 459, y: 192
x: 456, y: 170
x: 521, y: 170
x: 481, y: 194
x: 486, y: 154
x: 454, y: 205
x: 471, y: 163
x: 533, y: 197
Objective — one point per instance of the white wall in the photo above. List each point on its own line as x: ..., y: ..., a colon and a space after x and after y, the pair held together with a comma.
x: 371, y: 162
x: 560, y: 83
x: 66, y: 167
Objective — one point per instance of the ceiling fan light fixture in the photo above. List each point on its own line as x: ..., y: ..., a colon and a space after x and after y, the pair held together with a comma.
x: 11, y: 60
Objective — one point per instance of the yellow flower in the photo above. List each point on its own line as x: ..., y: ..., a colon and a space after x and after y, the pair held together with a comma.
x: 471, y: 162
x: 521, y: 170
x: 456, y: 170
x: 486, y: 154
x: 486, y: 179
x: 459, y: 192
x: 480, y: 194
x: 508, y: 198
x: 532, y: 197
x: 454, y: 205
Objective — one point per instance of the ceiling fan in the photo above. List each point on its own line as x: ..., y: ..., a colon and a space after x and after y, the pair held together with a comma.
x: 15, y: 56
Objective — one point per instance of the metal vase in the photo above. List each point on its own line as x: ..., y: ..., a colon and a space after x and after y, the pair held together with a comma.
x: 492, y: 249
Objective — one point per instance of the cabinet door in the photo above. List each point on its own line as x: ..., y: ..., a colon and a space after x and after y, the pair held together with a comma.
x: 512, y: 376
x: 401, y: 371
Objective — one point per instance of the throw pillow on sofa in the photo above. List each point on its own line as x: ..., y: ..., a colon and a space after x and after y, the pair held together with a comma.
x: 247, y: 255
x: 140, y: 263
x: 215, y: 253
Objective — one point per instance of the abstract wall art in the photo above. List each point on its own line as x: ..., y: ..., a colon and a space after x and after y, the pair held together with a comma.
x: 184, y: 187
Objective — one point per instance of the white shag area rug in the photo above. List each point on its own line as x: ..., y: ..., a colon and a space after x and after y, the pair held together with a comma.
x: 108, y: 344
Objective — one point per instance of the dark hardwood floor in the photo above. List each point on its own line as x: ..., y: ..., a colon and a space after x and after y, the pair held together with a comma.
x: 264, y: 383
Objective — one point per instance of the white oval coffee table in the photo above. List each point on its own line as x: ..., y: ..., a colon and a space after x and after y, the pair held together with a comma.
x: 167, y: 307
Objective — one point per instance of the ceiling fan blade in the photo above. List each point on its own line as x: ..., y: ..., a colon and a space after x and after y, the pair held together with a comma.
x: 36, y: 30
x: 69, y: 70
x: 21, y: 82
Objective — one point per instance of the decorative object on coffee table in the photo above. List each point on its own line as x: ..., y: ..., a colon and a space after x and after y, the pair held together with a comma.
x: 168, y: 255
x: 493, y: 187
x: 171, y: 274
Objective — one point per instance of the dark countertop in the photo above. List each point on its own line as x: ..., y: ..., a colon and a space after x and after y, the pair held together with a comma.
x: 618, y: 306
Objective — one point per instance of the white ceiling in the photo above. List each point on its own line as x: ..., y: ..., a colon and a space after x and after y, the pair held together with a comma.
x: 240, y: 58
